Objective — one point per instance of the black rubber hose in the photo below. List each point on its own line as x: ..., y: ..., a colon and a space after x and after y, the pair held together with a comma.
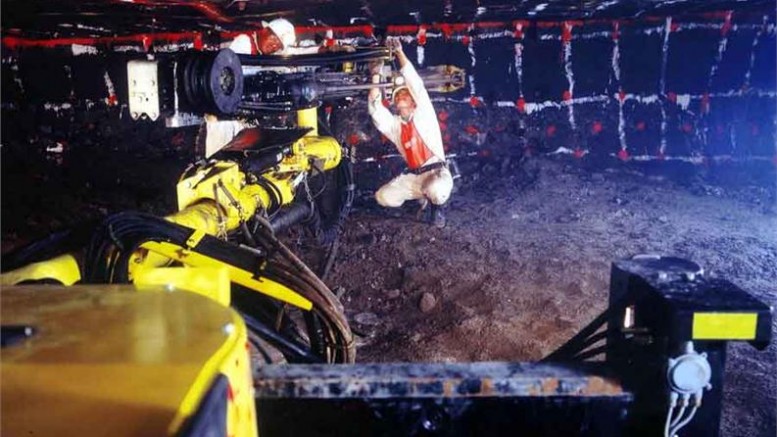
x: 119, y: 237
x: 290, y: 216
x: 58, y: 243
x: 293, y: 352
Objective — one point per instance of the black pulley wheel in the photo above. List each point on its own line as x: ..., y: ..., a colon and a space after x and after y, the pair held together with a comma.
x: 212, y: 82
x: 225, y: 80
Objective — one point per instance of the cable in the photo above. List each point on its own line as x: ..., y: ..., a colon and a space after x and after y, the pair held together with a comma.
x: 683, y: 406
x: 330, y: 259
x: 259, y: 348
x: 120, y: 236
x: 289, y: 349
x: 668, y: 418
x: 324, y: 185
x: 675, y: 429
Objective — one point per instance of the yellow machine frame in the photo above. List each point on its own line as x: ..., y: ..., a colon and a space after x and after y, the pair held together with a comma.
x: 213, y: 200
x: 141, y: 361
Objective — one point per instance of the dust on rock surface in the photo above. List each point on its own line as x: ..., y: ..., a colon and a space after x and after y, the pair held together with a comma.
x: 524, y: 264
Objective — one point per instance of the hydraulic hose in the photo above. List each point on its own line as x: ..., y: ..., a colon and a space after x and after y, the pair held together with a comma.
x: 290, y: 216
x: 120, y: 236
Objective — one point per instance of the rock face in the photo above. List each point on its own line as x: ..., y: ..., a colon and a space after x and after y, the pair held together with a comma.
x: 427, y: 303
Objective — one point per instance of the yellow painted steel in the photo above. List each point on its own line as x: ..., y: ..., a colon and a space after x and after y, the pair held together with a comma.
x: 308, y: 118
x: 106, y: 360
x: 236, y: 275
x: 203, y: 184
x: 324, y: 151
x: 215, y: 199
x: 212, y: 282
x: 63, y: 268
x: 724, y: 326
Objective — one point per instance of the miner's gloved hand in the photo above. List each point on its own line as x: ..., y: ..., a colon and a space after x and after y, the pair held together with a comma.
x: 374, y: 92
x: 394, y: 44
x: 375, y: 68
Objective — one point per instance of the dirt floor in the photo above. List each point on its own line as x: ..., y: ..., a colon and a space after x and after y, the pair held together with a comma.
x: 523, y: 264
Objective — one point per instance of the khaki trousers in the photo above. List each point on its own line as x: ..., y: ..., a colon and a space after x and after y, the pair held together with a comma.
x: 434, y: 185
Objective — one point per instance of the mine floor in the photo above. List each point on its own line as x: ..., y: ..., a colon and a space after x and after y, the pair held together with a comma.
x: 522, y: 265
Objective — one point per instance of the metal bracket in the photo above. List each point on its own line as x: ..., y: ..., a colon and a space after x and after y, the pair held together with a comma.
x: 143, y: 89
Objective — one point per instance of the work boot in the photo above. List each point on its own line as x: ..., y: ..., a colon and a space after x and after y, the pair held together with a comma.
x: 438, y: 218
x: 421, y: 214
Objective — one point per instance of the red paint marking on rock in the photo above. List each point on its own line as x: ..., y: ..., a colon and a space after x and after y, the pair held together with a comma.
x: 566, y: 33
x: 518, y: 32
x: 146, y: 42
x: 447, y: 31
x: 521, y: 105
x: 726, y: 24
x: 421, y: 36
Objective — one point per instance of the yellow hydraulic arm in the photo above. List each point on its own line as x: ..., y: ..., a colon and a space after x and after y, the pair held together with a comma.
x: 214, y: 199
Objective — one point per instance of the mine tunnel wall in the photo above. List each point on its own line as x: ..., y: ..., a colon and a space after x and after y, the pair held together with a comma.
x: 698, y: 89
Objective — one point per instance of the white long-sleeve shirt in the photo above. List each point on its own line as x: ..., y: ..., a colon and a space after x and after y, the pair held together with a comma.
x: 424, y: 116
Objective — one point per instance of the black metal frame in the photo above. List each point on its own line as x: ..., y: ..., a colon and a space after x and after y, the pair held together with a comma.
x: 626, y: 394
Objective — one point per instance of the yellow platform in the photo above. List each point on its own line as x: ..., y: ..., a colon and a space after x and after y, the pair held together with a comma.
x: 107, y: 360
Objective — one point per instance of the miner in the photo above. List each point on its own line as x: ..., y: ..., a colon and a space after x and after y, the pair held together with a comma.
x: 416, y: 134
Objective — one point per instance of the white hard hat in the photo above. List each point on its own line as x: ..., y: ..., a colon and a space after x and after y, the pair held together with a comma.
x: 399, y: 85
x: 284, y: 30
x: 398, y: 89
